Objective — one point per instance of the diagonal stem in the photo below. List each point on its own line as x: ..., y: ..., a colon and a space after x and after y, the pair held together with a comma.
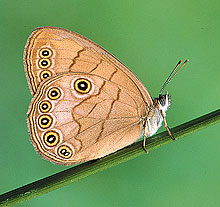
x: 73, y: 174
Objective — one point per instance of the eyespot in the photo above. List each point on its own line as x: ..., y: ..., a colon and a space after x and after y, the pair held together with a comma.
x: 82, y: 85
x: 45, y: 106
x: 54, y: 93
x: 44, y: 63
x: 45, y: 74
x: 45, y: 121
x: 45, y: 53
x: 51, y: 138
x: 64, y: 152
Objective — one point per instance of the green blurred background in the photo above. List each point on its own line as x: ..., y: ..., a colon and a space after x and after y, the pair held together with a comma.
x: 149, y: 37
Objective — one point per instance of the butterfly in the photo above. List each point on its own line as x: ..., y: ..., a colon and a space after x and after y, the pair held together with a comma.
x: 86, y: 104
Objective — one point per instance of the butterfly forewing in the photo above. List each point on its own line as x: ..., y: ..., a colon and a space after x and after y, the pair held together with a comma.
x: 51, y: 50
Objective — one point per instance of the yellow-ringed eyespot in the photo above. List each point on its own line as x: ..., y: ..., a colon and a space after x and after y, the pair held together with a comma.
x: 45, y: 106
x: 44, y: 63
x: 51, y: 138
x: 82, y: 85
x: 54, y: 93
x: 45, y: 53
x: 64, y: 152
x: 45, y: 74
x: 45, y: 121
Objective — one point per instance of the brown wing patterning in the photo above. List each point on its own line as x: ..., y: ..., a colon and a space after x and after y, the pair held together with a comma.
x: 51, y: 50
x: 76, y: 117
x: 86, y: 103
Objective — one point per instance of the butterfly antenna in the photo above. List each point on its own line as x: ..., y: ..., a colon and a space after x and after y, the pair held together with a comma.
x: 173, y: 73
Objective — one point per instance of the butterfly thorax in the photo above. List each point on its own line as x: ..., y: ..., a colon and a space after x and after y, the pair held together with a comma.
x: 154, y: 118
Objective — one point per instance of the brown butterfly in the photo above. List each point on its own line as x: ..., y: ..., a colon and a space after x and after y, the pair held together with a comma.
x: 86, y: 103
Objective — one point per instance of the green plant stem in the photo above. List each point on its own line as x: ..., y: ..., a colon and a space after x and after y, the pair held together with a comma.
x: 73, y: 174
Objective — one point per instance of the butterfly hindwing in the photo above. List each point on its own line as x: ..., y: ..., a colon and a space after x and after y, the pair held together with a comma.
x: 77, y: 117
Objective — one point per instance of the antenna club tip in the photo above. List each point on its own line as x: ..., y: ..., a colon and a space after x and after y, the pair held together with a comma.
x: 179, y: 61
x: 187, y: 60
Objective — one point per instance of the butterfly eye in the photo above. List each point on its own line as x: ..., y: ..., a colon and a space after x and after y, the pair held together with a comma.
x: 45, y: 106
x: 162, y: 100
x: 54, y: 93
x: 44, y: 63
x: 51, y: 138
x: 45, y: 74
x: 45, y: 121
x: 45, y: 53
x: 82, y: 85
x: 65, y: 152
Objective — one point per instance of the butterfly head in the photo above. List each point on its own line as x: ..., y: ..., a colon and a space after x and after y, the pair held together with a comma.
x: 163, y: 102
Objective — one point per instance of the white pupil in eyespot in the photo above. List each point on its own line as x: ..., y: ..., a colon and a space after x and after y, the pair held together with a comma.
x: 45, y: 53
x: 64, y: 152
x: 44, y: 106
x: 51, y: 139
x: 44, y: 63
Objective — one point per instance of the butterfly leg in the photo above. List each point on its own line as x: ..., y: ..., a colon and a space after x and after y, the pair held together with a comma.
x: 166, y: 126
x: 144, y: 141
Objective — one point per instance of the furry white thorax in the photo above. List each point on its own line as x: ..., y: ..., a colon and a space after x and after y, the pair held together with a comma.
x: 154, y: 118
